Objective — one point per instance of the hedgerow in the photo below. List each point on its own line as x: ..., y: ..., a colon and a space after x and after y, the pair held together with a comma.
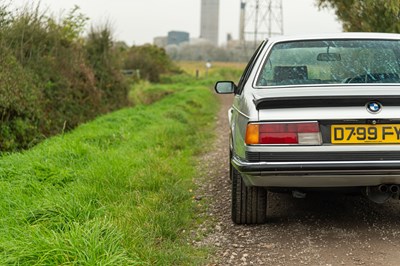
x: 51, y: 78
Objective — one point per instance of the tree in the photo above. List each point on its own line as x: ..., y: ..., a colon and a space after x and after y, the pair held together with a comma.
x: 150, y: 60
x: 366, y: 15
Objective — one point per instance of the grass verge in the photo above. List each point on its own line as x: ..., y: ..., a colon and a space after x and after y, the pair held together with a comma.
x: 115, y: 191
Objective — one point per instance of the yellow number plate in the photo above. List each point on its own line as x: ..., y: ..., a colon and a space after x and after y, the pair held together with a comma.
x: 364, y: 134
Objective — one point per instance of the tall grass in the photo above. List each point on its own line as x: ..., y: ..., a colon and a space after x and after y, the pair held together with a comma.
x: 116, y: 191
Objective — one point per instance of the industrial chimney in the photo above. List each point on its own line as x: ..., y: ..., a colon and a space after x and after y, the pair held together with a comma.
x: 242, y: 21
x: 210, y: 20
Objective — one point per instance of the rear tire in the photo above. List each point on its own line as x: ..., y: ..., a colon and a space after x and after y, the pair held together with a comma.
x: 249, y: 204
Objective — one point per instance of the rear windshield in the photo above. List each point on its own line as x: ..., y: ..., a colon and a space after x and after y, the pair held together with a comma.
x: 331, y: 62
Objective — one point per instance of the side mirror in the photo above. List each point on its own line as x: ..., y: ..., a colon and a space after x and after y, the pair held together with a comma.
x: 225, y: 87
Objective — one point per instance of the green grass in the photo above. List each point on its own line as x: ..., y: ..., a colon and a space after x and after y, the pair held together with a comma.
x: 116, y: 191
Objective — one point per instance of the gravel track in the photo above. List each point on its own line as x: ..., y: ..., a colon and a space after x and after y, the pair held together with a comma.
x: 318, y: 230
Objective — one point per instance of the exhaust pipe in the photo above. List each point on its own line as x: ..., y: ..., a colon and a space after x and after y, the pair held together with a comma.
x: 394, y: 189
x: 382, y: 193
x: 378, y: 194
x: 383, y: 188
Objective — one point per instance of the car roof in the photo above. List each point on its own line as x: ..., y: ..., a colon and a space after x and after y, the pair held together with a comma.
x: 343, y: 35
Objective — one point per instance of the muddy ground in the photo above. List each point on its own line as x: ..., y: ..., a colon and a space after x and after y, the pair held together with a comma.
x: 318, y: 230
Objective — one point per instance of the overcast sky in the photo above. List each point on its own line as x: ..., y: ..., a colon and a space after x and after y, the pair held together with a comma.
x: 139, y: 21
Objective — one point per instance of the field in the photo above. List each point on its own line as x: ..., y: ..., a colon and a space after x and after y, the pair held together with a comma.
x: 190, y: 67
x: 218, y: 70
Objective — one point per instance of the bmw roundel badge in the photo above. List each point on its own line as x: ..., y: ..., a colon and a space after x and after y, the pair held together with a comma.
x: 374, y: 107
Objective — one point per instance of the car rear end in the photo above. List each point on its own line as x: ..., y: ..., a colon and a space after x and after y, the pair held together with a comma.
x: 318, y: 113
x: 304, y: 140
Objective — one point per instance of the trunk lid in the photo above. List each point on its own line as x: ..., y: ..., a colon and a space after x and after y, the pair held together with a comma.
x: 326, y: 103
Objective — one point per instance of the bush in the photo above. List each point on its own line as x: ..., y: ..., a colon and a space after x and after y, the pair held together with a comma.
x: 151, y: 61
x: 50, y: 78
x: 104, y: 59
x: 19, y: 96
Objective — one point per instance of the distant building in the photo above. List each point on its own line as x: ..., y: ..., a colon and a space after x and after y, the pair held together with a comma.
x: 177, y: 37
x: 197, y: 41
x: 209, y: 29
x: 161, y: 41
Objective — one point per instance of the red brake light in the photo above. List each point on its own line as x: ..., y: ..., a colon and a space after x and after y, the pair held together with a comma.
x: 278, y: 138
x: 308, y: 128
x: 302, y: 133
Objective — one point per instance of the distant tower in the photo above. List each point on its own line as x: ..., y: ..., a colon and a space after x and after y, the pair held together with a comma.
x: 260, y: 19
x: 210, y: 20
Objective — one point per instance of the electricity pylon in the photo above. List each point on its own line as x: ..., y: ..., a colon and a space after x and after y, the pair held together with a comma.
x: 260, y: 19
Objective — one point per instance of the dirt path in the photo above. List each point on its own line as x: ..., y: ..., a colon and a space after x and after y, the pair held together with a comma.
x: 319, y: 230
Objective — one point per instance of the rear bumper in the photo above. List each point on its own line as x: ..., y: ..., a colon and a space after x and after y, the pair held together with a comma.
x: 318, y: 174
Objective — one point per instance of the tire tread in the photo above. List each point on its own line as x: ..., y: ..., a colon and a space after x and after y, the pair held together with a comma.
x: 249, y: 204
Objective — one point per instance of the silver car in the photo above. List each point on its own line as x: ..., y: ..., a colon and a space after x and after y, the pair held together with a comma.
x: 315, y: 113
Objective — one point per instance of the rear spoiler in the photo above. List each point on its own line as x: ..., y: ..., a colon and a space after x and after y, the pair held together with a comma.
x: 323, y: 101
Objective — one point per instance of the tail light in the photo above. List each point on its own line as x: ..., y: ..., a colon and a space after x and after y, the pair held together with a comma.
x: 294, y: 133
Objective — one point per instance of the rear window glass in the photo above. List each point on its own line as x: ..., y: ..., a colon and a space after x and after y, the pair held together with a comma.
x: 331, y: 62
